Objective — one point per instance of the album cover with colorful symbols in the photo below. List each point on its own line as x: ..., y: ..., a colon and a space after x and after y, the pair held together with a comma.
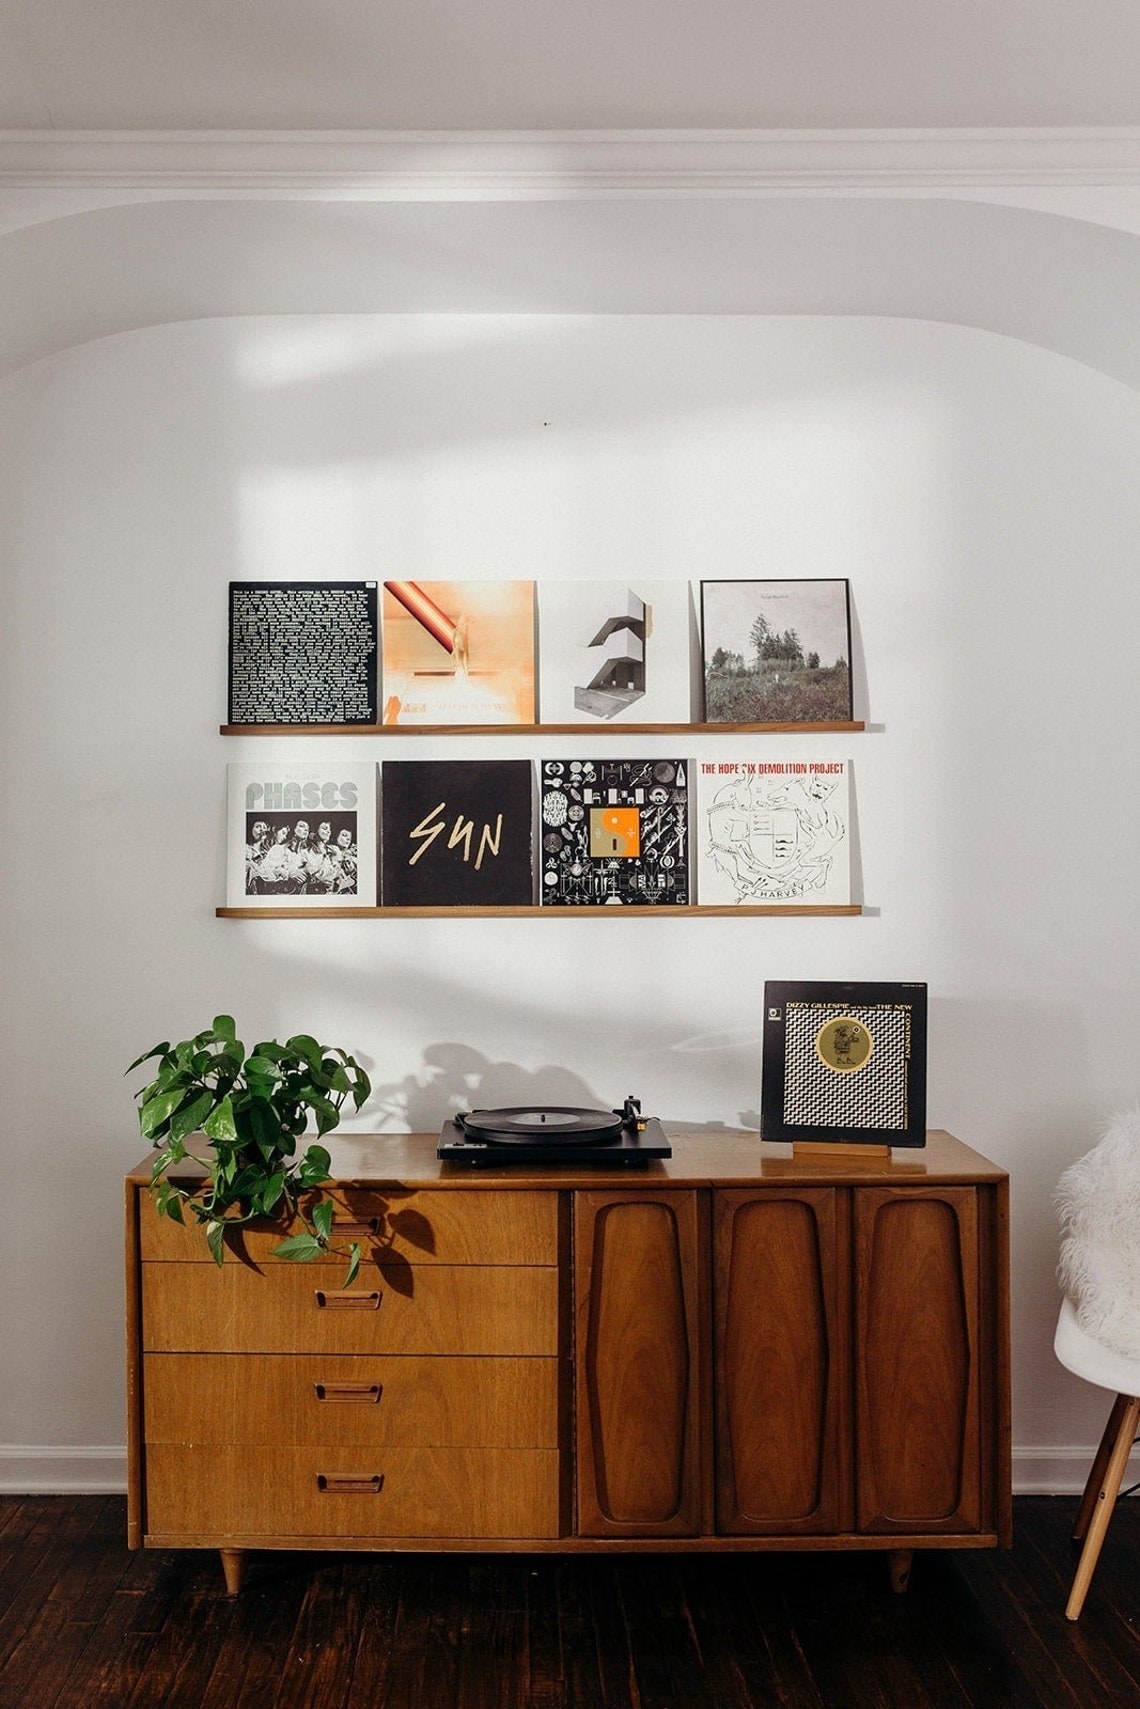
x: 614, y: 832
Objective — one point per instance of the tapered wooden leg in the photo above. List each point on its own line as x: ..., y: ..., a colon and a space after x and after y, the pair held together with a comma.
x: 233, y: 1565
x: 1096, y: 1475
x: 1106, y: 1496
x: 900, y: 1564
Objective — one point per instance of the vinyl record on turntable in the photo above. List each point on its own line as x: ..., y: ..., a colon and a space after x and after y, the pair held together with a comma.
x: 550, y: 1124
x: 553, y: 1133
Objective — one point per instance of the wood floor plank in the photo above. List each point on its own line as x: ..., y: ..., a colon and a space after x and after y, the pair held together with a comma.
x: 86, y: 1624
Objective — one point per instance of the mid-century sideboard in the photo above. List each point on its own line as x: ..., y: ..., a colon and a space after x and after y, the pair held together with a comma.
x: 735, y: 1349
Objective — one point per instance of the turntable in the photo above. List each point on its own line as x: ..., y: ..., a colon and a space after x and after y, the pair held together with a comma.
x: 553, y: 1133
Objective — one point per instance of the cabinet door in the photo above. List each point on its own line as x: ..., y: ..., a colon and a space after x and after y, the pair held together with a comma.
x: 918, y: 1413
x: 781, y: 1361
x: 637, y: 1371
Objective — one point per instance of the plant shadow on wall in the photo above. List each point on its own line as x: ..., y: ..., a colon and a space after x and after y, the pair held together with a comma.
x: 226, y: 1126
x: 455, y: 1078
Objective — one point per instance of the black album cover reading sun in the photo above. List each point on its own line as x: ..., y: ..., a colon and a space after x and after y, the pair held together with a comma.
x: 844, y: 1063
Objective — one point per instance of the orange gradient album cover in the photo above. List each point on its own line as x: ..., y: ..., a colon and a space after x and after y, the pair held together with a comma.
x: 458, y: 652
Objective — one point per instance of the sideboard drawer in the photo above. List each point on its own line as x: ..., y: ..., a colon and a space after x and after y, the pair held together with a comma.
x: 352, y: 1492
x: 289, y: 1308
x: 399, y: 1226
x: 224, y: 1399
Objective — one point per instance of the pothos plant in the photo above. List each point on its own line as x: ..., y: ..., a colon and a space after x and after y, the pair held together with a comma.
x: 253, y: 1109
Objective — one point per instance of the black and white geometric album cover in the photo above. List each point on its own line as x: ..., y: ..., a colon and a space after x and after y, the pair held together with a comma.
x: 844, y: 1063
x: 456, y: 833
x: 614, y: 832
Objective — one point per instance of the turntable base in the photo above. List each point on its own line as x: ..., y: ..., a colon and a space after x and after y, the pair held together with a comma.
x: 489, y: 1139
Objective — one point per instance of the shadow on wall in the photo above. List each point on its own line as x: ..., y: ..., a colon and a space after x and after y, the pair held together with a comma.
x: 455, y: 1077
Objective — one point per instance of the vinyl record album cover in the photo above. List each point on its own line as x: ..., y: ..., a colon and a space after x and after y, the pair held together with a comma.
x: 458, y: 652
x: 773, y: 831
x: 613, y: 652
x: 303, y: 834
x: 456, y: 833
x: 844, y: 1063
x: 614, y: 832
x: 776, y: 652
x: 303, y: 653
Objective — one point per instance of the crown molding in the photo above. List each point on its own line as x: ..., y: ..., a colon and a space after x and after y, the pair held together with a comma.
x: 529, y: 165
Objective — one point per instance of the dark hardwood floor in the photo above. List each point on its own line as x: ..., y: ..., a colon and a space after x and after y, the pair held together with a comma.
x: 85, y: 1622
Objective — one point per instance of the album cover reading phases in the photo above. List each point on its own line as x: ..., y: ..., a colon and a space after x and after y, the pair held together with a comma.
x: 301, y: 834
x: 844, y: 1063
x: 614, y: 832
x: 456, y: 833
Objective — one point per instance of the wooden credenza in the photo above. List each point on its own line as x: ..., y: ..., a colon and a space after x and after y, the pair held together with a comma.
x: 736, y: 1349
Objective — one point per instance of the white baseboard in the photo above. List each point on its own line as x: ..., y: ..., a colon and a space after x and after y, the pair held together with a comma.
x: 1059, y: 1471
x: 26, y: 1470
x: 29, y: 1470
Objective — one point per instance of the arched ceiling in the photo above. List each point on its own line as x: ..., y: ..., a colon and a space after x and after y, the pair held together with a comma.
x: 1067, y: 285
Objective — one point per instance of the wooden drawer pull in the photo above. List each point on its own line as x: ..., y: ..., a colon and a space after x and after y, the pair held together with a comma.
x: 350, y: 1483
x: 347, y: 1391
x: 357, y: 1230
x: 346, y: 1301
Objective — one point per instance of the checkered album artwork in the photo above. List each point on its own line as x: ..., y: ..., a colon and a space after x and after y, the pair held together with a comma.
x: 844, y: 1063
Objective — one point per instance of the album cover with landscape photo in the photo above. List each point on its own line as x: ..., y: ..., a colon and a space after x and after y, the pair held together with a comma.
x: 776, y: 652
x: 456, y: 833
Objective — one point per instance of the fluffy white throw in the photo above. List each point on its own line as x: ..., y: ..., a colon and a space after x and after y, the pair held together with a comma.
x: 1098, y: 1199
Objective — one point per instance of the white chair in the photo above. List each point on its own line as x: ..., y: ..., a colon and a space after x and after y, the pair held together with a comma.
x: 1098, y: 1364
x: 1098, y: 1331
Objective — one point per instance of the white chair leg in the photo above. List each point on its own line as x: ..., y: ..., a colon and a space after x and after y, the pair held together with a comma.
x: 1106, y: 1497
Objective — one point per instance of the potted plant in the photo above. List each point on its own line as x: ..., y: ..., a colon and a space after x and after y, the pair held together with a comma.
x: 253, y: 1109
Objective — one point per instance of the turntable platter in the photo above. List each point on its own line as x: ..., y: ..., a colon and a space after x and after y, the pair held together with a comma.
x: 551, y: 1124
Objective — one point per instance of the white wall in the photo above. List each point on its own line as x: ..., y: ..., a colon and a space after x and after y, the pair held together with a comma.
x: 979, y: 493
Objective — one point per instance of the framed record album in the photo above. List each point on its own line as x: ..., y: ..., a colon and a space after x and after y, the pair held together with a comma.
x: 844, y: 1064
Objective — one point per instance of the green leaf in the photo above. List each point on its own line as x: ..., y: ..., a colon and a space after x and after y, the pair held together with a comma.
x: 328, y: 1116
x: 220, y: 1124
x: 315, y: 1166
x: 322, y: 1218
x: 224, y: 1026
x: 159, y: 1050
x: 301, y: 1248
x: 353, y: 1265
x: 154, y: 1114
x: 190, y: 1117
x: 216, y: 1240
x: 307, y: 1048
x: 271, y: 1192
